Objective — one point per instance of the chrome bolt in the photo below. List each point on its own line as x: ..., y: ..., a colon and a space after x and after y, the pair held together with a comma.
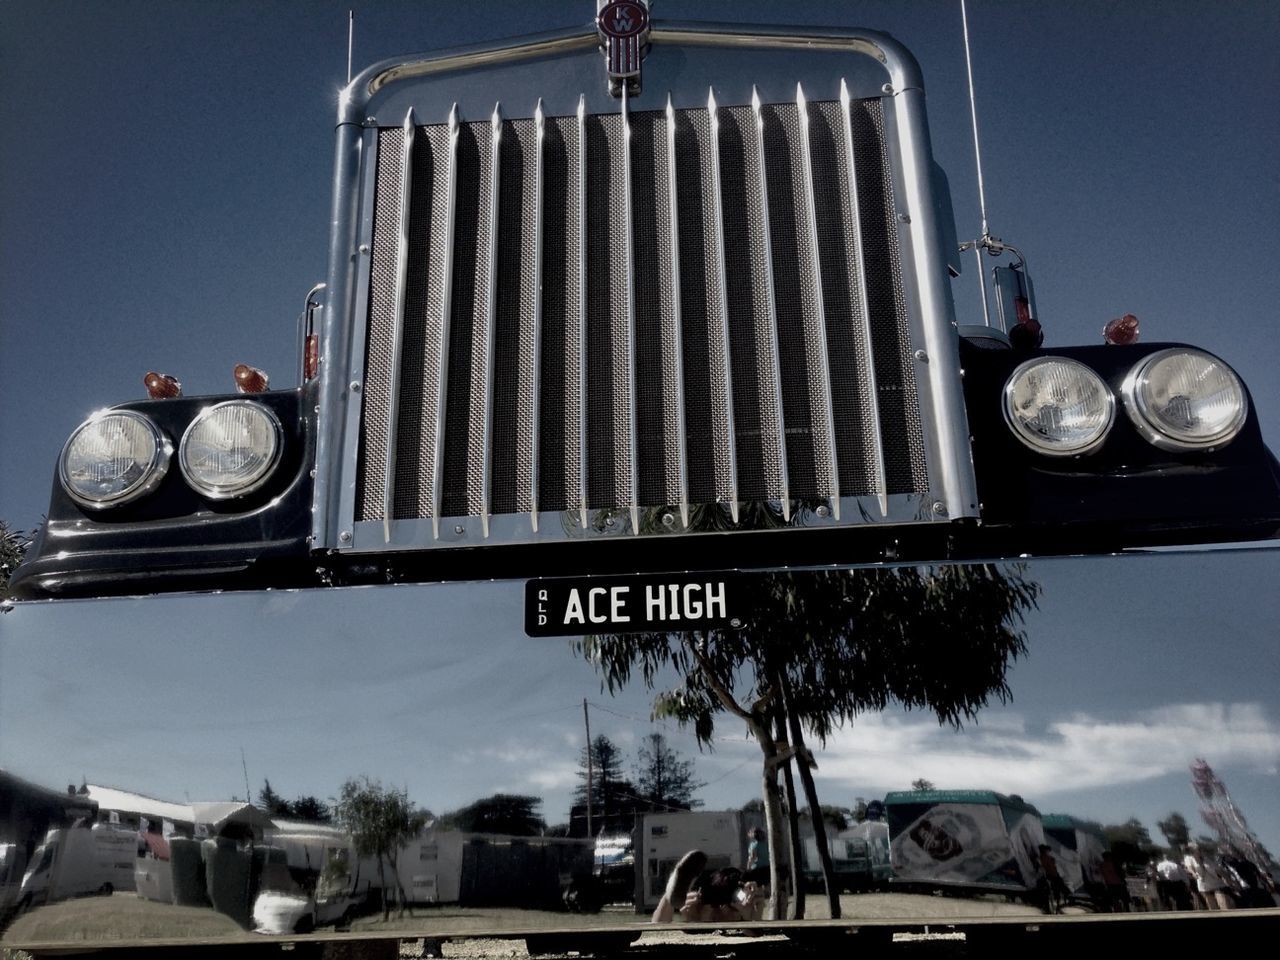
x: 459, y: 529
x: 823, y: 510
x: 922, y: 356
x: 364, y: 248
x: 313, y: 473
x: 735, y: 623
x: 355, y: 386
x: 345, y: 536
x: 939, y: 508
x: 610, y: 521
x: 668, y: 519
x: 904, y: 217
x: 887, y: 88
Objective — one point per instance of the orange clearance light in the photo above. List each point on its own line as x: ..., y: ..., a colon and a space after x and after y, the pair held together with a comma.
x: 249, y: 379
x: 1121, y: 331
x: 312, y: 356
x: 161, y: 386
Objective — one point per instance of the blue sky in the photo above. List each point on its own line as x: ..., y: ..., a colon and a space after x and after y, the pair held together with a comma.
x: 164, y: 201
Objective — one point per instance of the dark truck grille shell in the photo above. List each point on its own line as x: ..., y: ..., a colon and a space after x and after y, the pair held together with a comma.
x: 564, y: 316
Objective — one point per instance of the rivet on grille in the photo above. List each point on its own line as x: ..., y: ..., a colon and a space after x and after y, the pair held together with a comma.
x: 459, y: 529
x: 823, y: 510
x: 668, y: 519
x: 355, y: 386
x: 345, y: 536
x: 922, y: 356
x: 939, y: 508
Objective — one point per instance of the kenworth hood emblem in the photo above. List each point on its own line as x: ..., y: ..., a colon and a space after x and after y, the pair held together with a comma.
x: 623, y: 26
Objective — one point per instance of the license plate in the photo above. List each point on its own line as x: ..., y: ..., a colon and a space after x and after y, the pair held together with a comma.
x: 578, y: 606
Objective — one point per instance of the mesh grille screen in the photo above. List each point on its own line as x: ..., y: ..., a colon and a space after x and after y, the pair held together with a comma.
x: 794, y: 374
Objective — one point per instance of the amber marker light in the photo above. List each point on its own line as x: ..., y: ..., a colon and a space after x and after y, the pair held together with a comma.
x: 1121, y: 331
x: 312, y: 356
x: 249, y: 379
x: 161, y: 386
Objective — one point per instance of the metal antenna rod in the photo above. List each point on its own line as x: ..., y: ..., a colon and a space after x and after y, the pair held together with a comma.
x: 973, y: 113
x: 351, y: 39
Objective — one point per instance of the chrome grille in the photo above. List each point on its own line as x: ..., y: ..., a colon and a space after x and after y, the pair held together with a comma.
x: 636, y: 310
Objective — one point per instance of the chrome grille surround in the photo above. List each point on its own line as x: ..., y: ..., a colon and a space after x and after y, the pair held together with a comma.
x: 671, y: 325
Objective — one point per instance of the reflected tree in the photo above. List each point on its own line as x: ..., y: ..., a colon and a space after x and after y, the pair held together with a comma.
x: 821, y: 647
x: 1130, y: 843
x: 13, y: 547
x: 1175, y: 830
x: 274, y: 804
x: 380, y: 821
x: 512, y: 814
x: 310, y: 809
x: 665, y: 779
x: 612, y: 799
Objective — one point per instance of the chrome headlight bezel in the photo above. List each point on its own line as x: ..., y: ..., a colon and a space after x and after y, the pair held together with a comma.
x: 256, y: 480
x: 1037, y: 441
x: 1137, y: 405
x: 152, y: 472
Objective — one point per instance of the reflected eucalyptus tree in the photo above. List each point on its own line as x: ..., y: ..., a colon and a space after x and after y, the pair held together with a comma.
x: 819, y: 648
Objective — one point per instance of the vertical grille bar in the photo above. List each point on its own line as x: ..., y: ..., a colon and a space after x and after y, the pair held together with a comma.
x: 718, y: 328
x: 819, y: 367
x: 582, y: 307
x: 770, y: 336
x: 636, y: 310
x: 397, y: 334
x: 535, y: 361
x: 676, y: 317
x: 490, y: 321
x: 872, y: 397
x: 446, y: 311
x: 628, y: 231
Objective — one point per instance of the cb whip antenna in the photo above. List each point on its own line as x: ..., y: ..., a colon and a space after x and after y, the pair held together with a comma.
x: 985, y: 239
x: 351, y: 39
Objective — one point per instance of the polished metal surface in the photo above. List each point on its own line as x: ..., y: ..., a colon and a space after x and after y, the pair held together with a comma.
x: 773, y: 378
x: 718, y: 328
x: 446, y: 298
x: 629, y: 294
x: 535, y: 420
x: 490, y: 318
x: 240, y: 835
x: 397, y: 335
x: 824, y: 367
x: 646, y: 466
x: 583, y: 465
x: 871, y: 397
x: 677, y: 324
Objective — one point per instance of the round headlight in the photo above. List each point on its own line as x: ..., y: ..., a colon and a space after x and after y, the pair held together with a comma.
x: 112, y: 458
x: 230, y: 449
x: 1183, y: 399
x: 1058, y: 406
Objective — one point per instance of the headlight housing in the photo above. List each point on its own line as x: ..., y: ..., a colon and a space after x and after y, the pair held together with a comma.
x: 112, y: 458
x: 1058, y: 407
x: 230, y: 449
x: 1185, y: 399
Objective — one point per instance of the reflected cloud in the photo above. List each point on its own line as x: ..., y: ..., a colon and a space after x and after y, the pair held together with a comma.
x: 1083, y: 751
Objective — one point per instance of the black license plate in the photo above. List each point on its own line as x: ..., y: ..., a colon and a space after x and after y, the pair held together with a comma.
x: 579, y: 606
